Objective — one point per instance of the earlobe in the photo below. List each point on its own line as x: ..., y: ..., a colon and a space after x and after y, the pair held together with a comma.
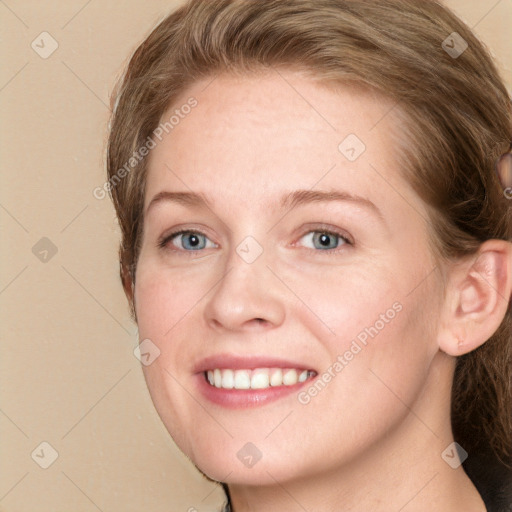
x: 478, y: 294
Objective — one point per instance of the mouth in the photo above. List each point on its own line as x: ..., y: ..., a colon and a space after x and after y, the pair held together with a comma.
x: 256, y: 379
x: 236, y: 381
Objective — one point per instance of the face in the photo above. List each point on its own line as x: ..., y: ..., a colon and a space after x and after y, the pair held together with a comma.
x: 314, y: 305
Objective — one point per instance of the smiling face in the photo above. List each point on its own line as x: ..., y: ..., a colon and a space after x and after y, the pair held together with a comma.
x: 336, y: 280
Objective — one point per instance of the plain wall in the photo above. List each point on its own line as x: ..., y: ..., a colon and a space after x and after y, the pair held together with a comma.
x: 69, y: 376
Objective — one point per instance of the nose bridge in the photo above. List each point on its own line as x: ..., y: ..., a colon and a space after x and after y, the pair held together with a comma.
x: 247, y: 292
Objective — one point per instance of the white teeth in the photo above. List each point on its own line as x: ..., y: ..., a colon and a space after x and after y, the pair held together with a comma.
x: 228, y: 379
x: 217, y: 378
x: 242, y: 379
x: 276, y: 378
x: 260, y: 378
x: 290, y: 377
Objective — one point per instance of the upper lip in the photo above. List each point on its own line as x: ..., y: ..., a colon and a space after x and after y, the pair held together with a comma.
x: 237, y: 362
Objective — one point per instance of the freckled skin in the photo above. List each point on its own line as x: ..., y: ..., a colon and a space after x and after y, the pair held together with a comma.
x: 246, y: 143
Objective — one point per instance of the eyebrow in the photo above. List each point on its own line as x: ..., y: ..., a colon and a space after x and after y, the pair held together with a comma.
x: 289, y: 201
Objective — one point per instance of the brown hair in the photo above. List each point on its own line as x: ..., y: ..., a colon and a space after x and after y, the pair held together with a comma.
x: 456, y: 118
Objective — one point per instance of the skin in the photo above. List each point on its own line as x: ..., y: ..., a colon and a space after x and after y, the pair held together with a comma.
x: 372, y: 439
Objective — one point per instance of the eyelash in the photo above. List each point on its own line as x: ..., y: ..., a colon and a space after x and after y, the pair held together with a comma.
x: 162, y: 244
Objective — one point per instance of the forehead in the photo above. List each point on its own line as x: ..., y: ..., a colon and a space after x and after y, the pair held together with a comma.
x: 252, y: 138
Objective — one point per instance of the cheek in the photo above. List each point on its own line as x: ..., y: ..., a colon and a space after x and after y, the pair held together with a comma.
x: 343, y: 305
x: 372, y: 380
x: 163, y: 299
x: 386, y: 356
x: 382, y: 349
x: 165, y: 305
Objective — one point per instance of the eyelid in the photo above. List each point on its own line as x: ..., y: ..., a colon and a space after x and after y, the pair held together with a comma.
x: 165, y: 239
x: 328, y: 229
x: 347, y: 240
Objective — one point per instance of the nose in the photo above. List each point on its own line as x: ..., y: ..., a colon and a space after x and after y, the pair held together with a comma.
x: 247, y: 297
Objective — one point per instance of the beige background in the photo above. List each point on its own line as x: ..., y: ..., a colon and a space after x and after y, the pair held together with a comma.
x: 68, y: 373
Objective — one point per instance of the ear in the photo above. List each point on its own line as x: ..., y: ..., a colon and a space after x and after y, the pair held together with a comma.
x: 477, y: 297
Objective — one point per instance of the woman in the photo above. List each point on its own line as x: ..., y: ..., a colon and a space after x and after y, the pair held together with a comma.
x: 316, y: 250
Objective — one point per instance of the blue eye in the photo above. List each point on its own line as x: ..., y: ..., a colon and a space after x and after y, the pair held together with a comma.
x: 326, y: 240
x: 191, y: 240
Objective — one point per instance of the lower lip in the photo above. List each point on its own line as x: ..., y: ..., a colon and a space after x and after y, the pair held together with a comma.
x: 242, y: 398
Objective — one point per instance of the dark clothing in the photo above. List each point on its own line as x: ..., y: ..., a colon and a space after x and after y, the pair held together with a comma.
x: 492, y: 479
